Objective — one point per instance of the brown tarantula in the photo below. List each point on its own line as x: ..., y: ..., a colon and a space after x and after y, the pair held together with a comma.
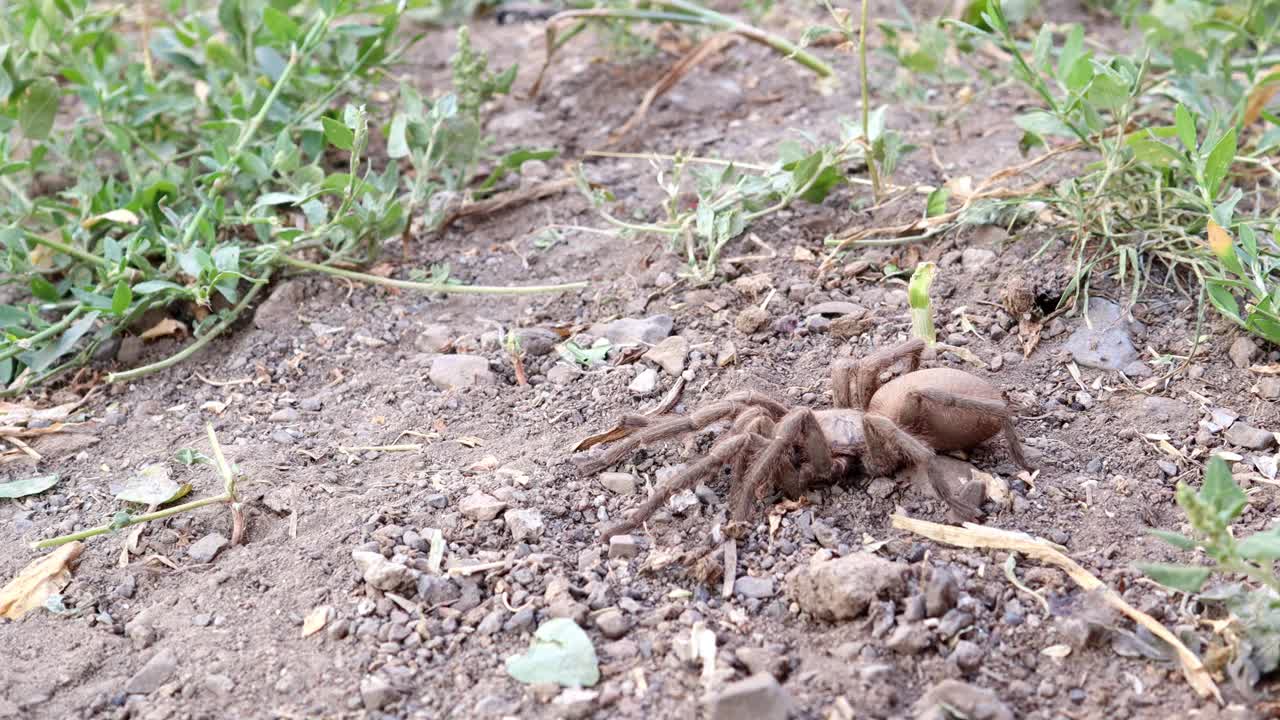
x: 872, y: 428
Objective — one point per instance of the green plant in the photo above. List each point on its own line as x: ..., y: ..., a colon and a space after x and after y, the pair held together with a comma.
x: 729, y: 196
x: 1157, y: 189
x: 1254, y: 607
x: 882, y: 148
x: 187, y: 173
x: 919, y: 304
x: 124, y: 518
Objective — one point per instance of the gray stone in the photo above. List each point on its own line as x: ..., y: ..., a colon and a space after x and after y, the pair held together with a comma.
x: 434, y: 338
x: 1242, y: 352
x: 619, y: 483
x: 562, y: 374
x: 669, y: 354
x: 206, y: 548
x: 753, y: 587
x: 623, y: 547
x: 613, y: 624
x: 683, y: 501
x: 762, y: 660
x: 837, y: 308
x: 841, y: 589
x: 758, y: 697
x: 153, y: 674
x: 537, y: 342
x: 492, y: 622
x: 481, y: 507
x: 635, y: 331
x: 1221, y: 419
x: 1104, y: 341
x: 1137, y: 370
x: 644, y: 383
x: 380, y: 572
x: 524, y: 524
x: 460, y: 371
x: 955, y: 621
x: 376, y: 693
x: 278, y: 313
x: 284, y: 415
x: 219, y: 684
x: 952, y: 696
x: 574, y: 703
x: 977, y: 260
x: 909, y: 639
x: 1247, y: 436
x: 967, y: 656
x: 941, y: 593
x: 1269, y: 388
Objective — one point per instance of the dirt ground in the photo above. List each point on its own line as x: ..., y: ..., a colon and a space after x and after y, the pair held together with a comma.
x: 326, y: 366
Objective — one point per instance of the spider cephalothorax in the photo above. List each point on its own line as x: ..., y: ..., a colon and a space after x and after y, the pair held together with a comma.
x: 873, y: 429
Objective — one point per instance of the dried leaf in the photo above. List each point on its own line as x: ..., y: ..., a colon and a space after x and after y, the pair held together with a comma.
x: 470, y: 441
x: 38, y: 580
x: 978, y: 536
x: 121, y: 216
x: 151, y: 486
x: 315, y: 620
x: 164, y: 328
x: 1259, y: 96
x: 1057, y: 652
x: 486, y: 464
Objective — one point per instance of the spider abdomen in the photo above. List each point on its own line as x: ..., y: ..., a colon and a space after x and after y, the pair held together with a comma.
x: 929, y: 403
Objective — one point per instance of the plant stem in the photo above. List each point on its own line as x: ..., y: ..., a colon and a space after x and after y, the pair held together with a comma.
x: 866, y: 103
x: 135, y: 520
x: 200, y: 342
x: 26, y: 343
x: 66, y: 249
x: 430, y: 286
x: 724, y: 22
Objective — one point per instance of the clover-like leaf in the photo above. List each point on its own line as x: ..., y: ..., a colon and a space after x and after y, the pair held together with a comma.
x: 560, y: 653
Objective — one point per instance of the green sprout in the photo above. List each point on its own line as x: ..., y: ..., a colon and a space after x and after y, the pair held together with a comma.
x: 918, y: 300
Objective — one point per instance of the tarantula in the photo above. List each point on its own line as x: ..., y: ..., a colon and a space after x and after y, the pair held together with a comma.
x: 875, y: 428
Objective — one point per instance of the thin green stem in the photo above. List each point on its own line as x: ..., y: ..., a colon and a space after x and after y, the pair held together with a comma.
x: 200, y: 342
x: 866, y: 103
x: 755, y: 34
x: 27, y: 343
x: 66, y: 249
x: 135, y: 520
x: 430, y: 286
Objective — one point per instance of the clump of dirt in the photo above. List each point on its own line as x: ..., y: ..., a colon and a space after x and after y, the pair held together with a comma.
x: 412, y: 500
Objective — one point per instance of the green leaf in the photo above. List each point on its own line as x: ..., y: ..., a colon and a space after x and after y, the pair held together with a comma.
x: 560, y: 653
x: 189, y: 457
x: 1219, y: 162
x: 280, y: 25
x: 1222, y: 299
x: 1044, y: 124
x: 937, y: 203
x: 1178, y: 540
x: 339, y: 135
x: 41, y: 359
x: 29, y: 486
x: 121, y: 298
x: 1186, y: 578
x: 38, y: 108
x: 585, y: 356
x: 1262, y: 546
x: 1220, y: 490
x: 155, y: 286
x: 44, y: 290
x: 151, y: 486
x: 397, y: 145
x: 827, y: 179
x: 1185, y: 124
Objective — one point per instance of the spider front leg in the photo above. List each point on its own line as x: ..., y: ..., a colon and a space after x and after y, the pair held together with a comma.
x: 853, y: 382
x: 643, y: 430
x: 722, y: 453
x: 798, y: 428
